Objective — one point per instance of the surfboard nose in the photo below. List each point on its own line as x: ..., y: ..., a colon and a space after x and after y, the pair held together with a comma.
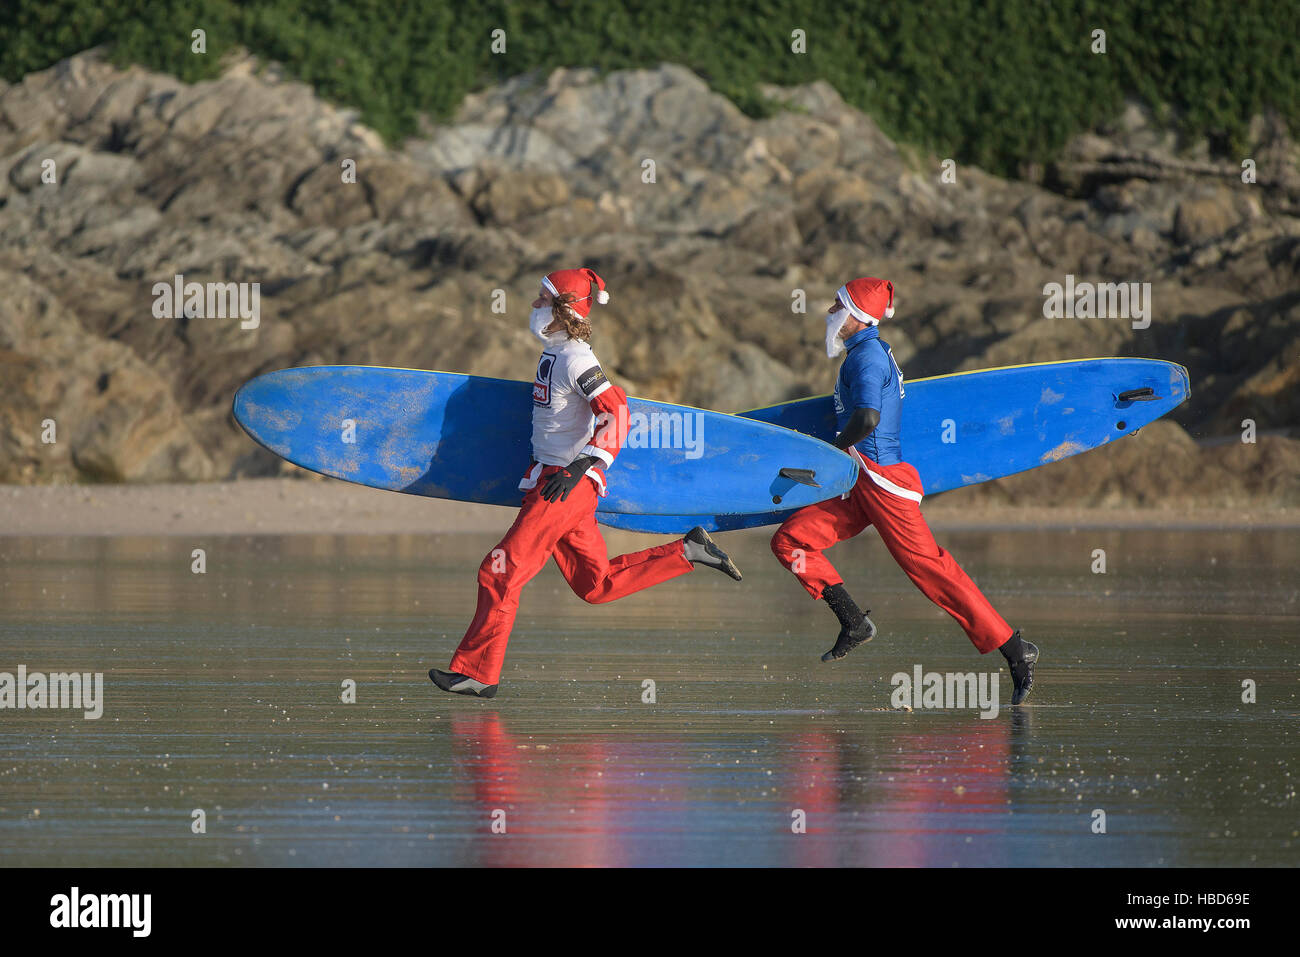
x: 1167, y: 393
x: 1180, y: 383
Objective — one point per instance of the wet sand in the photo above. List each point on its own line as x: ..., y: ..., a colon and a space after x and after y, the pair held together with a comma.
x: 223, y: 693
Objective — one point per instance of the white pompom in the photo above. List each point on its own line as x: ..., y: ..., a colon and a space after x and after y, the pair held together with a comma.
x: 602, y: 297
x: 889, y: 312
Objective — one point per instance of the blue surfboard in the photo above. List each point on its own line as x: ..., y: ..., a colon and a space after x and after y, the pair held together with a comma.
x: 468, y: 438
x: 971, y: 427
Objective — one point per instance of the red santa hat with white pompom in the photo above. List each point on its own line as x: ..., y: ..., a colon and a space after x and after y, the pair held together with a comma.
x: 868, y: 300
x: 583, y: 284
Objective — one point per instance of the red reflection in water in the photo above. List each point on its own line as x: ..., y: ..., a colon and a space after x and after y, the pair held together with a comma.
x: 595, y: 800
x: 580, y: 792
x: 949, y: 782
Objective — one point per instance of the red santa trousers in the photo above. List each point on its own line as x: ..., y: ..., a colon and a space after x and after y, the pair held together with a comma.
x: 888, y: 497
x: 568, y: 531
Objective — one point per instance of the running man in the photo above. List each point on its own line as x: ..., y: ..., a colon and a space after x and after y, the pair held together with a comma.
x: 868, y: 410
x: 577, y: 417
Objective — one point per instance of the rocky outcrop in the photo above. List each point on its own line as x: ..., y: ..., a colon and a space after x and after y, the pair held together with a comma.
x: 87, y: 407
x: 712, y: 228
x: 1161, y: 467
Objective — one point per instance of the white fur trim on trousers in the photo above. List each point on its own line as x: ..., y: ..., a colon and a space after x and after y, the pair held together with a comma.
x: 883, y: 482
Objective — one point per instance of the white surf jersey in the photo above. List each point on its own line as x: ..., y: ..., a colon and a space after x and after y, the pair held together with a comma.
x: 568, y: 377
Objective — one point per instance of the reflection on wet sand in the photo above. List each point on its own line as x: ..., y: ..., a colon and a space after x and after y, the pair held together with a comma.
x: 619, y: 800
x: 222, y: 692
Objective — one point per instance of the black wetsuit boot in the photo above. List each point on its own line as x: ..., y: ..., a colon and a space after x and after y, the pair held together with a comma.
x: 457, y: 683
x: 699, y: 548
x: 1021, y: 657
x: 855, y: 626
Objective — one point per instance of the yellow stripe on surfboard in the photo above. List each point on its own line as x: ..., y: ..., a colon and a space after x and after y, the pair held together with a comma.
x: 953, y: 375
x: 932, y: 378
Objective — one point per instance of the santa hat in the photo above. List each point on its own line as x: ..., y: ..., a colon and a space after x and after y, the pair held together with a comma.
x: 584, y: 284
x: 869, y: 300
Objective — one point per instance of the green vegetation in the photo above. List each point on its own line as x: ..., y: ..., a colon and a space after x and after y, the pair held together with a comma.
x: 997, y: 84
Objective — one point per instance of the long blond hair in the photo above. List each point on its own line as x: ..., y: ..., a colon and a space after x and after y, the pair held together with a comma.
x: 565, y: 318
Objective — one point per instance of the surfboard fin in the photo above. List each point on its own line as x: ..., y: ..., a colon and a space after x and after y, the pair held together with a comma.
x: 1147, y: 394
x: 802, y: 476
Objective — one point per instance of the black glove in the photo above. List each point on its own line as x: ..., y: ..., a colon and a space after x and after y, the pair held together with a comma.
x: 561, y: 483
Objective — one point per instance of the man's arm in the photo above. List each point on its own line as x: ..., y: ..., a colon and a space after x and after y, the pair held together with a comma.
x: 609, y: 405
x: 861, y: 424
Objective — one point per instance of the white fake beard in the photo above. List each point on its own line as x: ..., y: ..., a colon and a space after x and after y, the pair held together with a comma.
x: 538, y: 320
x: 834, y: 323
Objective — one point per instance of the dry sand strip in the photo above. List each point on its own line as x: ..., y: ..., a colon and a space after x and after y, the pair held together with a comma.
x: 275, y: 506
x: 288, y: 506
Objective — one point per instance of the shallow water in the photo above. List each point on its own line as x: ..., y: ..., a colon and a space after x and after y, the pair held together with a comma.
x: 222, y: 693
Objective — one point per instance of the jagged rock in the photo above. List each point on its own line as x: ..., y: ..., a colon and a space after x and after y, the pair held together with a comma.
x: 1210, y: 214
x: 506, y: 199
x: 109, y: 415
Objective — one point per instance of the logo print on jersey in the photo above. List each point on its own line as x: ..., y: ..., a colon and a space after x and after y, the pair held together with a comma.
x: 897, y: 368
x: 591, y: 380
x: 542, y: 383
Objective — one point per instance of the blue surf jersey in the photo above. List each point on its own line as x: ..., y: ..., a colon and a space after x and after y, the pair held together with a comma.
x: 871, y: 379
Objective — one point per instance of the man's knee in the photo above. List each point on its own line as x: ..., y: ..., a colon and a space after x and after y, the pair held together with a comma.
x: 499, y: 570
x: 790, y: 551
x: 585, y: 585
x: 490, y: 574
x: 783, y: 544
x: 593, y: 592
